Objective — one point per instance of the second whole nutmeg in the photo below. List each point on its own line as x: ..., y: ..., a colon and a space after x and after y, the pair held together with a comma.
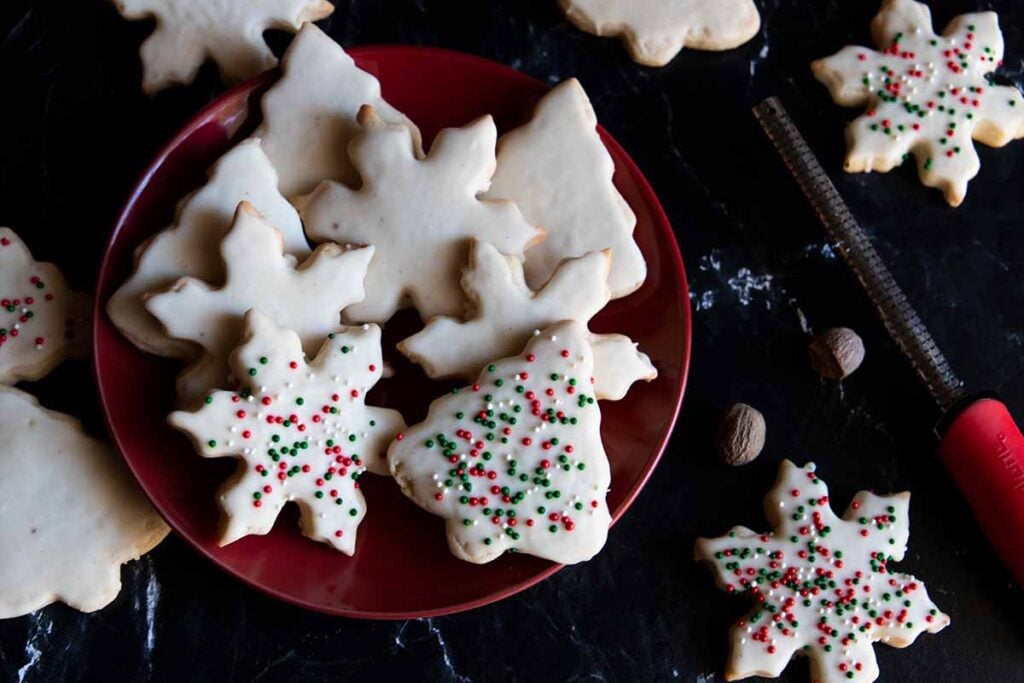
x: 741, y: 434
x: 837, y: 353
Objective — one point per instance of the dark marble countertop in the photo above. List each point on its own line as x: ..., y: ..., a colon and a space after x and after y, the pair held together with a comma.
x: 76, y: 133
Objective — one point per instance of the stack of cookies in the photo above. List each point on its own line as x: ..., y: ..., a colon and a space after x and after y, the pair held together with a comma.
x: 274, y: 281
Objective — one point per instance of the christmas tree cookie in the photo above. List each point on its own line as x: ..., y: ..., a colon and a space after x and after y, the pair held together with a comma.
x: 307, y: 298
x: 823, y: 585
x: 515, y: 461
x: 188, y: 248
x: 228, y: 31
x: 419, y: 214
x: 302, y: 431
x: 505, y: 312
x: 39, y: 315
x: 72, y: 514
x: 926, y: 95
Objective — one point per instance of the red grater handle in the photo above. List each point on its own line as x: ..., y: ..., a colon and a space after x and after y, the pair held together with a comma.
x: 984, y: 451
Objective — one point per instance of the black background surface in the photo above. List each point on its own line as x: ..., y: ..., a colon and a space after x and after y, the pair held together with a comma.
x: 76, y: 133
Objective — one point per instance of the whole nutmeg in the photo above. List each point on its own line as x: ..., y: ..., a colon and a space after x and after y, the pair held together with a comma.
x: 740, y: 434
x: 837, y: 353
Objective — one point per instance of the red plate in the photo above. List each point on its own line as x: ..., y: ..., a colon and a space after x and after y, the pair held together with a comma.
x: 402, y: 568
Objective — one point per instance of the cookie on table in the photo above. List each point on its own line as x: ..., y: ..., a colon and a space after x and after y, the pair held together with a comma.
x: 927, y: 95
x: 42, y: 321
x: 504, y: 313
x: 419, y: 214
x: 189, y: 247
x: 309, y: 115
x: 515, y: 461
x: 72, y: 515
x: 307, y: 298
x: 823, y: 585
x: 301, y: 432
x: 654, y: 31
x: 559, y: 173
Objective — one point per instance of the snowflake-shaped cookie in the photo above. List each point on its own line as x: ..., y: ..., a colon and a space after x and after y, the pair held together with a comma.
x: 307, y: 299
x: 72, y: 514
x: 302, y: 432
x: 823, y: 585
x: 420, y: 215
x: 189, y: 247
x: 927, y: 95
x: 38, y: 313
x: 515, y: 461
x: 309, y: 116
x: 228, y: 31
x: 559, y: 173
x: 505, y: 312
x: 654, y: 31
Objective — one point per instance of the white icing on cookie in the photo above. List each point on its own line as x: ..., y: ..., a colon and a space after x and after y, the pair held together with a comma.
x: 823, y: 584
x: 505, y: 312
x: 927, y: 95
x: 515, y: 461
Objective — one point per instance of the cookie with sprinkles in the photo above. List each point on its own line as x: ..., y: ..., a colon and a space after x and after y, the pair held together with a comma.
x: 307, y: 298
x: 515, y: 461
x: 302, y: 432
x: 505, y: 313
x: 928, y: 96
x: 420, y: 214
x: 39, y: 314
x: 823, y: 585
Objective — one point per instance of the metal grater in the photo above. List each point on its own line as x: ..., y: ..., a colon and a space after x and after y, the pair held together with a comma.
x: 898, y: 316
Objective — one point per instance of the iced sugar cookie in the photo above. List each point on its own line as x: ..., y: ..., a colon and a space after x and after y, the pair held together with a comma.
x: 307, y: 298
x: 515, y: 461
x: 823, y: 585
x: 655, y: 31
x: 505, y: 313
x: 72, y: 515
x: 558, y: 172
x: 302, y: 433
x: 309, y: 116
x: 230, y: 32
x: 926, y: 95
x: 189, y: 247
x: 420, y: 215
x: 39, y: 315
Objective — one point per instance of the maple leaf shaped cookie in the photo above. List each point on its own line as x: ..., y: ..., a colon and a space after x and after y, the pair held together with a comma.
x: 302, y: 432
x: 228, y: 31
x: 505, y: 313
x: 927, y: 95
x: 421, y: 215
x: 823, y: 584
x: 188, y: 248
x: 39, y: 314
x: 654, y: 31
x: 72, y: 514
x: 515, y: 461
x: 307, y: 299
x: 559, y: 173
x: 309, y: 115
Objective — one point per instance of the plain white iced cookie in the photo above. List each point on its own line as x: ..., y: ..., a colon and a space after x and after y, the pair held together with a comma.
x: 302, y: 433
x: 307, y: 298
x: 419, y: 214
x: 654, y: 31
x: 189, y: 247
x: 515, y: 461
x: 309, y: 116
x: 559, y: 173
x: 504, y: 313
x: 40, y: 317
x: 230, y: 32
x: 823, y: 585
x: 72, y: 515
x: 927, y: 95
